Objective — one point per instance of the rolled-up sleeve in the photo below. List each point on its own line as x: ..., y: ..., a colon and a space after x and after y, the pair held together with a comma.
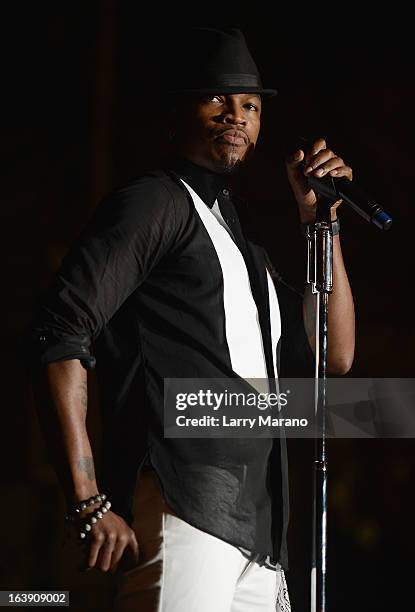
x: 129, y: 232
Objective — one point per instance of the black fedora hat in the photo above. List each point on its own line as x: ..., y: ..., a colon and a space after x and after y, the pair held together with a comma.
x: 211, y: 61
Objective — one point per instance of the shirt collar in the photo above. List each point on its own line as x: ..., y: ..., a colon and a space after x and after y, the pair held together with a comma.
x: 206, y: 183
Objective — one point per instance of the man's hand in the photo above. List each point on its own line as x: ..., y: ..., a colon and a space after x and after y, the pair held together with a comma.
x: 319, y: 161
x: 109, y: 540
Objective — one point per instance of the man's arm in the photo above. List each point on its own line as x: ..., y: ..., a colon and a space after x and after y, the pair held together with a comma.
x: 61, y: 398
x: 321, y: 161
x: 127, y: 236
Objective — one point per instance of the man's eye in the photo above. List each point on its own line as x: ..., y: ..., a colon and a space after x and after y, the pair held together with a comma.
x: 214, y: 99
x: 252, y: 106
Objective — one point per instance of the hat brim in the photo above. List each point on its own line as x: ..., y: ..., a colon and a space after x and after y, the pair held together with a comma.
x: 266, y: 93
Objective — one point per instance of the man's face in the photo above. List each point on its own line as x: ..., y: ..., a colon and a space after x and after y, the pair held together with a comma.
x: 218, y: 131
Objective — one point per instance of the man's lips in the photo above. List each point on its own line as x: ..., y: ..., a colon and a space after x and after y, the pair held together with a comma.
x: 235, y: 137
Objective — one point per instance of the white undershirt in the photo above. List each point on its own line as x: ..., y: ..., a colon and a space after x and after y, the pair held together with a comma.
x: 243, y: 331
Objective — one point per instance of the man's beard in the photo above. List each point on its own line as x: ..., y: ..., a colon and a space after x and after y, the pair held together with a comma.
x: 229, y: 163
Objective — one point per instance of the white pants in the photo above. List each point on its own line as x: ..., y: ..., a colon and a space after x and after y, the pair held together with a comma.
x: 184, y: 569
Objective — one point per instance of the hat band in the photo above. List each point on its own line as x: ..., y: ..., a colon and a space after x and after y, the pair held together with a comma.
x: 237, y: 80
x: 219, y: 81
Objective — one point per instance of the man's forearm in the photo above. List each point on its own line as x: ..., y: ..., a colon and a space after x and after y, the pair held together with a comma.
x: 341, y: 318
x: 61, y: 397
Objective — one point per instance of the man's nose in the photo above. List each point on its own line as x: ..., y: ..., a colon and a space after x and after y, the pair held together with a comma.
x: 234, y: 114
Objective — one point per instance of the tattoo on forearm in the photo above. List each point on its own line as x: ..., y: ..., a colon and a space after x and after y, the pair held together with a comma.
x: 86, y: 464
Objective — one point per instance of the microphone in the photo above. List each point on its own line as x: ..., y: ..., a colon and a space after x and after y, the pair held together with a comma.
x: 354, y: 196
x: 341, y: 188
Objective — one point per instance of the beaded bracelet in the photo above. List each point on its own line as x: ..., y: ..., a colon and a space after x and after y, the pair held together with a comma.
x: 98, y: 514
x: 84, y: 504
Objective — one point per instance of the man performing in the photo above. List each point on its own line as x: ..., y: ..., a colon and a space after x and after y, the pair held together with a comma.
x: 164, y: 283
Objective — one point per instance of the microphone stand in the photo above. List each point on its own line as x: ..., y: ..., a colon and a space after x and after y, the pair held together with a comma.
x: 320, y: 276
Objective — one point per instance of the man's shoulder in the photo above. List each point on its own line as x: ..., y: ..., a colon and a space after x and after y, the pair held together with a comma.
x: 158, y: 184
x: 153, y: 195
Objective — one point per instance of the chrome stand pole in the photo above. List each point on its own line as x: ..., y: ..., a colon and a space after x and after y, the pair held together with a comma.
x: 319, y: 275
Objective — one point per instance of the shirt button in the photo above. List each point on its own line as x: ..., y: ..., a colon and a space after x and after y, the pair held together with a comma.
x: 225, y: 192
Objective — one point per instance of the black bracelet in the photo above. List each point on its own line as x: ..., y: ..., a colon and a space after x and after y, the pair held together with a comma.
x: 308, y: 228
x: 84, y: 504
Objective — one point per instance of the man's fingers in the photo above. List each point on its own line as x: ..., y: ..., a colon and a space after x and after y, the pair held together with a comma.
x: 317, y: 146
x: 342, y: 171
x: 320, y: 160
x: 106, y: 551
x: 130, y: 550
x: 118, y: 551
x: 97, y: 540
x: 295, y: 159
x: 335, y: 163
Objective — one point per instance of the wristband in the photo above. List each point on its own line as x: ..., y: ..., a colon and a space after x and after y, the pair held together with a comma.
x: 308, y: 228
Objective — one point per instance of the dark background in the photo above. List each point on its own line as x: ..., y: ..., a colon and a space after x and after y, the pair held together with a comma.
x: 79, y: 120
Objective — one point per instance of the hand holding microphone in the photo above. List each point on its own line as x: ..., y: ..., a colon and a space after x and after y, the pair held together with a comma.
x: 320, y: 171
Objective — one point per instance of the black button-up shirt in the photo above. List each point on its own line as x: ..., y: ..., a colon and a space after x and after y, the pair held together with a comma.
x: 139, y: 296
